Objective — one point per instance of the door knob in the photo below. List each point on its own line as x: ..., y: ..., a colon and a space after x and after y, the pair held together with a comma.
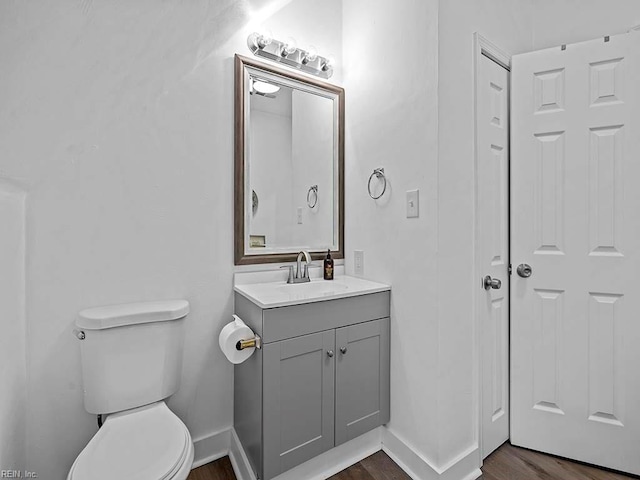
x: 491, y: 283
x: 343, y: 350
x: 524, y: 270
x: 330, y: 353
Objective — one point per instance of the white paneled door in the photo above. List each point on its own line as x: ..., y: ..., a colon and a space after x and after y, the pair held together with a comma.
x: 492, y: 119
x: 575, y: 220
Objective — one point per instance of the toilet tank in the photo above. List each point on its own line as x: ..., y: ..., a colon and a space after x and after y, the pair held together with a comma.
x: 131, y: 354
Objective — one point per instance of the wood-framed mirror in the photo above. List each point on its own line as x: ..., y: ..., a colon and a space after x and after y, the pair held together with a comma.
x: 289, y: 165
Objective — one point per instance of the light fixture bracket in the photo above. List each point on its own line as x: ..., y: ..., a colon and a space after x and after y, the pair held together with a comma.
x: 319, y: 66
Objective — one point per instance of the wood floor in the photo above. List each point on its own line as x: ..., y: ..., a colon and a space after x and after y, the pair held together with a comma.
x: 218, y: 470
x: 513, y: 463
x: 506, y: 463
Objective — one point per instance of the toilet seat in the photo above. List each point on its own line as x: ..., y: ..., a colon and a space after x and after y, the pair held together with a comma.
x: 146, y: 443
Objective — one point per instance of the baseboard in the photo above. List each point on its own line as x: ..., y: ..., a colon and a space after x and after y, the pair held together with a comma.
x: 239, y: 461
x: 337, y: 459
x: 463, y: 467
x: 417, y: 467
x: 212, y: 447
x: 319, y: 468
x: 226, y: 442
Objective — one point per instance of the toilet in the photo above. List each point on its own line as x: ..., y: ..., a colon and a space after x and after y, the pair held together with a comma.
x: 131, y: 362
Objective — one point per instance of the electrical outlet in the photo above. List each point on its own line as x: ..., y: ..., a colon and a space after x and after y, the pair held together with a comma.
x: 412, y: 203
x: 299, y: 215
x: 358, y: 262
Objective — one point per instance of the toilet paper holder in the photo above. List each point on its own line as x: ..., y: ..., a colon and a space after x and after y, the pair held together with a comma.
x: 255, y: 342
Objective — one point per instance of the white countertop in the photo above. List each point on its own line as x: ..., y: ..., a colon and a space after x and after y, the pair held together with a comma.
x: 281, y: 294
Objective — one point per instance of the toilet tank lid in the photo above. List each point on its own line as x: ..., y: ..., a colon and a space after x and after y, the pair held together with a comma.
x: 112, y: 316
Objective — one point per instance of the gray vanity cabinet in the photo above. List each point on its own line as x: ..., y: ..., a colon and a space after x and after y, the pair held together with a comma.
x: 320, y: 379
x: 362, y: 379
x: 298, y: 389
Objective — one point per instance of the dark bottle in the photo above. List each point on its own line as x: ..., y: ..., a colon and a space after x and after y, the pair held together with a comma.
x: 328, y: 266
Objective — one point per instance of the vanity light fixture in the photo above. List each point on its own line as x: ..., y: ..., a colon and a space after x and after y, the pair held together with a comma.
x: 263, y: 45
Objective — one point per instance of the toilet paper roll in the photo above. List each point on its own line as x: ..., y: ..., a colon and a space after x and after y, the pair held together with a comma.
x: 231, y: 334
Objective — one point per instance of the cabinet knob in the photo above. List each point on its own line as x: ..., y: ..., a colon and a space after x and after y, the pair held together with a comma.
x: 330, y: 353
x: 343, y: 350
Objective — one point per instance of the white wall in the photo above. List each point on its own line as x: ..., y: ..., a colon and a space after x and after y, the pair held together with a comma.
x: 119, y: 119
x: 12, y: 328
x: 409, y: 109
x: 390, y: 78
x: 557, y: 22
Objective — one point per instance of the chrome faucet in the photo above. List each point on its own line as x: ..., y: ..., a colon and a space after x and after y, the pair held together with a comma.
x: 303, y: 276
x: 302, y: 272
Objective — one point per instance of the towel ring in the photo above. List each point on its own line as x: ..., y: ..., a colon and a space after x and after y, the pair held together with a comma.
x: 254, y: 202
x: 312, y: 189
x: 378, y: 173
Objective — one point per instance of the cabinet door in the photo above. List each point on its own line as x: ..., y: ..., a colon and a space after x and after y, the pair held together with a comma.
x: 362, y: 378
x: 298, y: 389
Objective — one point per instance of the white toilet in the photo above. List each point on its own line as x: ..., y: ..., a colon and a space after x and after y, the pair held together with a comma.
x: 131, y: 361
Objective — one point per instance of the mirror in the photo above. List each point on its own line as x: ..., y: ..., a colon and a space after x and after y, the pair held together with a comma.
x: 289, y: 165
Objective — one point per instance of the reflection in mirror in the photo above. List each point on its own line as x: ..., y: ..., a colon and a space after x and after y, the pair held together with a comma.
x: 291, y: 148
x: 289, y: 175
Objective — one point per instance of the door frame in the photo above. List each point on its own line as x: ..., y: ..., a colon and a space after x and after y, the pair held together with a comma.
x: 482, y: 47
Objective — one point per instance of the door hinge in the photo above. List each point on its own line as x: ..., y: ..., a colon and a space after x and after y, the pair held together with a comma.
x: 510, y: 269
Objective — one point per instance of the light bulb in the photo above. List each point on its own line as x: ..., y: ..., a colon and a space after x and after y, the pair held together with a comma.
x: 329, y: 63
x: 289, y: 47
x: 264, y: 38
x: 310, y: 55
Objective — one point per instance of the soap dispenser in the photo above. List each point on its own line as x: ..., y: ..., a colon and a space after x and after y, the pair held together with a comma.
x: 328, y: 266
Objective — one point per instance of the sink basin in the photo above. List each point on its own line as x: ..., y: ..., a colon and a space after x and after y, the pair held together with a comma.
x: 317, y: 288
x: 280, y: 294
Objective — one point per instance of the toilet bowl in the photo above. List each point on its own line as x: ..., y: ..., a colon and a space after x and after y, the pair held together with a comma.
x: 145, y: 443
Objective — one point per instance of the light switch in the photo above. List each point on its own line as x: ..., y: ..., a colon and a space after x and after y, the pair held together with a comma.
x: 412, y: 203
x: 299, y: 215
x: 358, y: 262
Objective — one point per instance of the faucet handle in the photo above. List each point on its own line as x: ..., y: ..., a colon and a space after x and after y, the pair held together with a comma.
x: 290, y: 267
